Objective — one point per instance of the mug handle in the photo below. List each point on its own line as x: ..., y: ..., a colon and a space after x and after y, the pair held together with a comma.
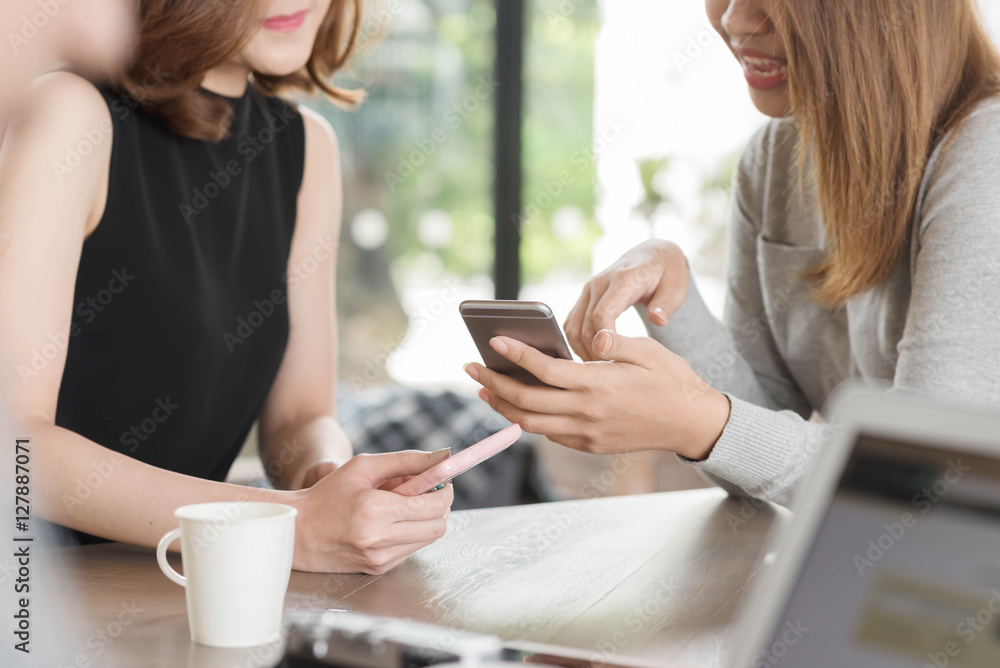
x: 161, y: 556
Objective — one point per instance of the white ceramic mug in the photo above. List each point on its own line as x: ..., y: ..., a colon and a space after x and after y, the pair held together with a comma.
x: 237, y: 560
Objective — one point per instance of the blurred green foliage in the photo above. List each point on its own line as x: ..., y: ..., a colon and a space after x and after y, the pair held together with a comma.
x: 423, y: 140
x: 558, y: 135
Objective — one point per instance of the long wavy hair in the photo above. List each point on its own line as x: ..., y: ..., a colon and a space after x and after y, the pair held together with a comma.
x: 180, y: 40
x: 875, y: 85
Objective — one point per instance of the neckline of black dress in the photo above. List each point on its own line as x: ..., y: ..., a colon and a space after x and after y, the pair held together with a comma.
x: 228, y: 98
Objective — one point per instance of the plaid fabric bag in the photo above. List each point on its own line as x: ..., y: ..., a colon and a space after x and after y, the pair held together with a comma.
x: 394, y: 418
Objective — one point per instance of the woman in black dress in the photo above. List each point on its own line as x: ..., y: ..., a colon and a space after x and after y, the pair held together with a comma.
x: 169, y: 280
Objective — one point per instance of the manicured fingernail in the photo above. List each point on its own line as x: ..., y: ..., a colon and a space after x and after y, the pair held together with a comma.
x: 439, y: 455
x: 658, y: 312
x: 602, y: 342
x: 484, y: 395
x: 498, y: 345
x: 472, y: 371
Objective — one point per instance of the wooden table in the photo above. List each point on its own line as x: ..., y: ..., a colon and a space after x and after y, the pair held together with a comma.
x: 646, y: 578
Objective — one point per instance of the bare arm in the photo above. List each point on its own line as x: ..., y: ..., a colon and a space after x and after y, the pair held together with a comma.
x: 300, y: 438
x: 345, y: 524
x: 46, y: 212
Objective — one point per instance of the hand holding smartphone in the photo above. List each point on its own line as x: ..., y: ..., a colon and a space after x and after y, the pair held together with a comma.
x: 438, y: 475
x: 531, y: 323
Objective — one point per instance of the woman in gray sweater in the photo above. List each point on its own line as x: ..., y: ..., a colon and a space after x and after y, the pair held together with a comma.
x: 864, y: 242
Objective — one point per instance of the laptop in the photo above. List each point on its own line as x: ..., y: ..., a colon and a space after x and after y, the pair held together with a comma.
x: 893, y: 558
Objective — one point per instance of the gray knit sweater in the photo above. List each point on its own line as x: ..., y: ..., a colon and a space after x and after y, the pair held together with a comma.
x: 932, y: 328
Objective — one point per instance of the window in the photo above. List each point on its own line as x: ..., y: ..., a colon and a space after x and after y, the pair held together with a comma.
x: 419, y: 174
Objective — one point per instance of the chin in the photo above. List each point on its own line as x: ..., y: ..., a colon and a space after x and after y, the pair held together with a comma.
x: 281, y: 62
x: 772, y: 103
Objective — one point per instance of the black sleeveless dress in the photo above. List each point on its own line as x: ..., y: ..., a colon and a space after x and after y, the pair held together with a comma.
x: 180, y: 318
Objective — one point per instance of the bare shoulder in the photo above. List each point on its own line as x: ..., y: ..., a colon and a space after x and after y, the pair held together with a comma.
x: 63, y: 134
x: 56, y: 156
x: 67, y: 105
x: 321, y: 141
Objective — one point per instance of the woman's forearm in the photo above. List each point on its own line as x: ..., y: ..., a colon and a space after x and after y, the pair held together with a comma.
x: 288, y: 452
x: 87, y: 487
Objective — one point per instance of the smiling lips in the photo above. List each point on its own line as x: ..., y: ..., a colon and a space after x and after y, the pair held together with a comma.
x: 287, y: 23
x: 762, y: 71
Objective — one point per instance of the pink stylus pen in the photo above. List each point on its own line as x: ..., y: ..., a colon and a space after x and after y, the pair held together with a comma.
x: 439, y: 474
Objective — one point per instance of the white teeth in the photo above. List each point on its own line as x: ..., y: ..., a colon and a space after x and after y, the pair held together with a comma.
x: 765, y: 66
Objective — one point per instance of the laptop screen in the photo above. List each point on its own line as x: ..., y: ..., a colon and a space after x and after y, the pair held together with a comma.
x: 905, y: 568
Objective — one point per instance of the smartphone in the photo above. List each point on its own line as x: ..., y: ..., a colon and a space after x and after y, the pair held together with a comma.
x: 438, y: 475
x: 528, y: 322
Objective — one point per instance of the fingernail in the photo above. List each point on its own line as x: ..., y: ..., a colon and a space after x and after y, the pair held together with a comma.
x: 482, y: 395
x: 602, y: 342
x: 498, y: 345
x: 442, y: 454
x: 658, y: 312
x: 472, y: 371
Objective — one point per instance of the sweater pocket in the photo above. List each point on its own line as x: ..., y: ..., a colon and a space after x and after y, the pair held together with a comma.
x: 812, y: 338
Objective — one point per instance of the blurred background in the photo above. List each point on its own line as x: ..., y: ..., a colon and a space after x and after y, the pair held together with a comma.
x: 631, y: 116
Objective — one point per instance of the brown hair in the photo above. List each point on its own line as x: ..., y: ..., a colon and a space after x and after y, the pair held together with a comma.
x: 180, y: 40
x: 874, y: 86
